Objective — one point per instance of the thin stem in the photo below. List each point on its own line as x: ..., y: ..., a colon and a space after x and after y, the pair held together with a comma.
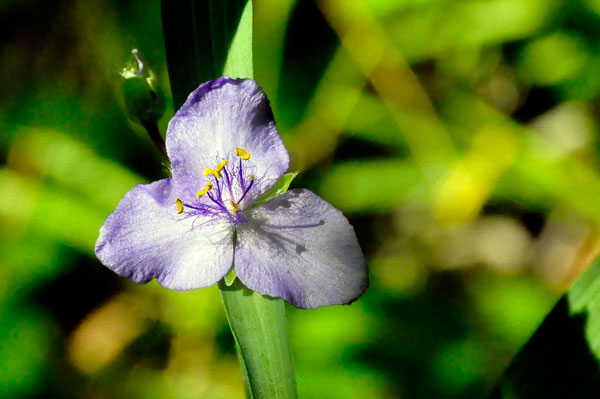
x: 152, y: 129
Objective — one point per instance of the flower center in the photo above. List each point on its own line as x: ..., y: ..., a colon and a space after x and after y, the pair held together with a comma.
x: 225, y: 194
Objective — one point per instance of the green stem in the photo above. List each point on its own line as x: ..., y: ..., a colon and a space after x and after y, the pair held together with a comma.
x: 257, y: 322
x: 205, y: 39
x: 259, y: 328
x: 154, y: 133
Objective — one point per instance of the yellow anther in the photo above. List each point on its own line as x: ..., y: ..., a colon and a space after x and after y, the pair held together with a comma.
x: 252, y: 177
x: 179, y: 205
x: 221, y: 165
x: 206, y: 189
x: 235, y: 206
x: 240, y: 152
x: 208, y: 172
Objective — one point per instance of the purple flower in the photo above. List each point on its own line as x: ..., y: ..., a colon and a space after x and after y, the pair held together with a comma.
x: 187, y: 231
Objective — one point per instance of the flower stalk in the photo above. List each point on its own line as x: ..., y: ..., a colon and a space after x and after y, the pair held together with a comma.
x: 144, y: 100
x: 257, y: 322
x: 259, y: 327
x: 154, y: 133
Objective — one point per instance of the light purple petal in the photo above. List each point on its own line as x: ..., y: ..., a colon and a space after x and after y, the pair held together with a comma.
x: 218, y: 117
x: 300, y: 248
x: 145, y: 238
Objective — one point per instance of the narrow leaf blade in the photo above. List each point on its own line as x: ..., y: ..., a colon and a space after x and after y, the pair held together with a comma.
x: 562, y: 358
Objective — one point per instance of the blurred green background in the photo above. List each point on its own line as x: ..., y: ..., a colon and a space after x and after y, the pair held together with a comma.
x: 459, y: 137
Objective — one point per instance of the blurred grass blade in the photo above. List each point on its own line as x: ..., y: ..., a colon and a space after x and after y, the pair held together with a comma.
x: 198, y: 35
x: 73, y: 166
x: 26, y: 204
x: 373, y: 185
x: 561, y: 360
x: 186, y: 30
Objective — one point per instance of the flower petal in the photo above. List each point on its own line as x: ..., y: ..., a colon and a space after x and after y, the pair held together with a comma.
x: 218, y: 117
x: 145, y: 238
x: 300, y: 248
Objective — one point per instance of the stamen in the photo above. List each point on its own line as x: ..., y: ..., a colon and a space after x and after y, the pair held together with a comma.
x: 228, y: 182
x: 208, y: 172
x: 206, y: 189
x: 240, y: 152
x: 235, y: 206
x: 219, y: 188
x: 241, y: 176
x: 221, y: 165
x: 219, y: 204
x: 223, y: 191
x: 247, y: 189
x: 179, y: 206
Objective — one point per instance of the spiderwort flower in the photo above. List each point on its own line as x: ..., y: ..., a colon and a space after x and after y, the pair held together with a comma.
x: 187, y: 230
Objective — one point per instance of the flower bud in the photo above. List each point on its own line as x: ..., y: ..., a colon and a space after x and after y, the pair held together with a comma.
x: 144, y: 100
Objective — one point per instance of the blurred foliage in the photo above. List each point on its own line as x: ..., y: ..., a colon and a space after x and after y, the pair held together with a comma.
x: 460, y: 138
